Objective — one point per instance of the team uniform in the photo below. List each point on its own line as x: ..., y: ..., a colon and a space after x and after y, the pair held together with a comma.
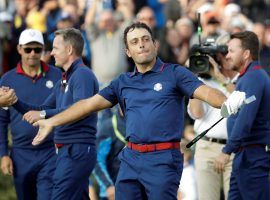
x: 153, y: 104
x: 249, y: 135
x: 110, y: 141
x: 33, y: 166
x: 75, y: 142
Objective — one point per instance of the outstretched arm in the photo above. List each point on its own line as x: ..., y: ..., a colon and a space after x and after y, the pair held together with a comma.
x: 74, y: 113
x: 217, y: 99
x: 210, y: 95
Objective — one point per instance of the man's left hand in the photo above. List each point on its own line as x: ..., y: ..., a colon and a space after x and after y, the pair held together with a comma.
x: 220, y: 162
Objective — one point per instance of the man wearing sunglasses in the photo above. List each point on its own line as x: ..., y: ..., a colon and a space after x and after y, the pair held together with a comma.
x: 32, y: 80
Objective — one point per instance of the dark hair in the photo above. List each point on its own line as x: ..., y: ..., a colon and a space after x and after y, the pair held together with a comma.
x: 134, y: 26
x: 249, y: 42
x: 74, y: 37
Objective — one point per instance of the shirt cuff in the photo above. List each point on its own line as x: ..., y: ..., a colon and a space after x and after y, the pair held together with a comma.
x: 227, y: 150
x: 3, y: 152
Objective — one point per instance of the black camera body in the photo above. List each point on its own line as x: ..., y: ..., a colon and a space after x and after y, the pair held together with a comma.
x: 199, y: 61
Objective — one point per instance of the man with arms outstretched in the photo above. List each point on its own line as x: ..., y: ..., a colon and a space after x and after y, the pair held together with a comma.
x: 152, y: 99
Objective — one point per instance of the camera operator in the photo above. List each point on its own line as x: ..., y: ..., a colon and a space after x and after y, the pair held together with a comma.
x: 209, y: 182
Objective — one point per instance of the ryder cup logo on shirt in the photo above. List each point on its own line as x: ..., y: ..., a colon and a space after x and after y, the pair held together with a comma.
x: 49, y: 84
x: 158, y: 87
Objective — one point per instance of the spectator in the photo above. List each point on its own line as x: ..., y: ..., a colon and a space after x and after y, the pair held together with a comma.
x: 172, y: 11
x: 36, y: 16
x: 171, y: 50
x: 158, y: 8
x: 106, y: 42
x: 260, y: 30
x: 6, y: 20
x: 12, y: 57
x: 147, y: 15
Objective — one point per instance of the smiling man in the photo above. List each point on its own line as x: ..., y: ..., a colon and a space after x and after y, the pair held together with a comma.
x: 152, y: 99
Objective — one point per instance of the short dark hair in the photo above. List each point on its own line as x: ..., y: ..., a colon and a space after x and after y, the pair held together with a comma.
x: 249, y: 41
x: 134, y: 26
x: 74, y: 37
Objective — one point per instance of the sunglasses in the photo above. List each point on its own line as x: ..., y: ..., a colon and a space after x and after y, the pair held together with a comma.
x: 29, y: 50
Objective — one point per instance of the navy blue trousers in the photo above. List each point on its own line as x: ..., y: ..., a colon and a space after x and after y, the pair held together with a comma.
x: 74, y: 165
x: 250, y: 177
x: 151, y: 176
x: 33, y: 172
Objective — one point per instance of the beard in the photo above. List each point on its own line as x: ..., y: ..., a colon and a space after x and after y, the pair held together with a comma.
x: 238, y: 65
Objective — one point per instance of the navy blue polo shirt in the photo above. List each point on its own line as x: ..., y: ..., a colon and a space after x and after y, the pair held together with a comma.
x: 153, y: 102
x: 251, y: 125
x: 33, y: 90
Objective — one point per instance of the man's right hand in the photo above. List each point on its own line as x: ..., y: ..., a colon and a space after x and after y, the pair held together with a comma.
x: 45, y: 128
x: 32, y: 116
x: 7, y: 97
x: 6, y: 165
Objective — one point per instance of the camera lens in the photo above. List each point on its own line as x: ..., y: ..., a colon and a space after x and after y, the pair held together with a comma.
x: 199, y: 64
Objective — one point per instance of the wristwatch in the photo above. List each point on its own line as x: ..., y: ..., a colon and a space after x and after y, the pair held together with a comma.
x: 42, y: 114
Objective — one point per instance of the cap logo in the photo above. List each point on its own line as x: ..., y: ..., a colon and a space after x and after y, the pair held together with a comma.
x: 32, y: 33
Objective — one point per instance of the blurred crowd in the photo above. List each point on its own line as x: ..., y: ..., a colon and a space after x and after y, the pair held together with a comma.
x: 174, y: 24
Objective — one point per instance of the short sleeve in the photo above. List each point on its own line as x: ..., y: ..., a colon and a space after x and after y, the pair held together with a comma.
x: 186, y: 81
x: 110, y: 92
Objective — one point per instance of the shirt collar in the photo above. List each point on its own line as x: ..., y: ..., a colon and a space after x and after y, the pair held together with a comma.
x: 44, y: 70
x: 77, y: 63
x: 158, y: 67
x: 252, y: 65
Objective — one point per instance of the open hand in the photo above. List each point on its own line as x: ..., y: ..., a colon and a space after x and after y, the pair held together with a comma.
x: 45, y: 128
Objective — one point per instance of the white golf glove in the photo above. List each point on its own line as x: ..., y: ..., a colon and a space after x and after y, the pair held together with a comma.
x: 233, y: 103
